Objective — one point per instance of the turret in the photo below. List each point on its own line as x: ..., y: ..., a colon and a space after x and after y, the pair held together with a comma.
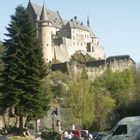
x: 45, y: 34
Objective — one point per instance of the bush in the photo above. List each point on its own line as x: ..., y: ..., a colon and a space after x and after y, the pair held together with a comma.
x: 49, y: 135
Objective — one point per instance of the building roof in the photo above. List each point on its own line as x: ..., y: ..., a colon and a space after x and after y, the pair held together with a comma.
x: 44, y: 16
x: 58, y: 22
x: 75, y: 23
x: 54, y: 17
x: 119, y: 57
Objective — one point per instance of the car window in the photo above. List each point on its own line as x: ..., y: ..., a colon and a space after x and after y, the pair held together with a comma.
x: 121, y: 129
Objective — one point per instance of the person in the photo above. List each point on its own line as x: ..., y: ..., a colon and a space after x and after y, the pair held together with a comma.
x: 70, y: 136
x: 66, y: 135
x: 90, y: 137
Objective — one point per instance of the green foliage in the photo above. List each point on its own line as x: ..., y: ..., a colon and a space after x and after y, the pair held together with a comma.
x: 129, y: 100
x: 117, y: 83
x: 24, y: 68
x: 104, y: 104
x: 56, y: 84
x: 19, y: 138
x: 2, y: 50
x: 81, y: 58
x: 84, y: 74
x: 80, y: 100
x: 49, y: 135
x: 114, y: 93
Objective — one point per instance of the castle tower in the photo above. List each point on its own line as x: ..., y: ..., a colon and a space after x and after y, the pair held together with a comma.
x: 45, y: 35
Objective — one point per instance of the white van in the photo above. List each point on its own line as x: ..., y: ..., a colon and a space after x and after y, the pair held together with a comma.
x: 126, y: 129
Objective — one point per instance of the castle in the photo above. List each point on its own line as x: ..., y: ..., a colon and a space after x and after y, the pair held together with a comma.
x: 61, y: 38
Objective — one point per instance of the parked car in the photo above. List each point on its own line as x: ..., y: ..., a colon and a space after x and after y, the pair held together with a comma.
x: 3, y: 138
x: 127, y: 128
x: 94, y: 134
x: 99, y: 136
x: 85, y: 134
x: 76, y: 133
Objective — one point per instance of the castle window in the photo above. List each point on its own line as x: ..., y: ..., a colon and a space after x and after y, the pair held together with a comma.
x: 92, y: 49
x: 73, y: 37
x: 88, y: 47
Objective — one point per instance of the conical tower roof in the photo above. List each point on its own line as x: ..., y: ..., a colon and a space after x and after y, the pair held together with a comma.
x: 44, y: 16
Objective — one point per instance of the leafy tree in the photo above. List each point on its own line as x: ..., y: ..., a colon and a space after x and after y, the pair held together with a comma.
x: 116, y: 87
x: 118, y: 83
x: 24, y: 69
x: 104, y: 104
x: 129, y: 100
x: 80, y: 100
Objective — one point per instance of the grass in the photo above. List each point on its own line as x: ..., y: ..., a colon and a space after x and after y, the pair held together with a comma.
x: 19, y: 138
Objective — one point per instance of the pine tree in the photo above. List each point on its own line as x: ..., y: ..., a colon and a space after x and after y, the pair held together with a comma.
x: 24, y: 69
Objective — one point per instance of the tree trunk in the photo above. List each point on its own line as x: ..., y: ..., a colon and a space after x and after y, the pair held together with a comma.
x: 5, y: 125
x: 21, y: 125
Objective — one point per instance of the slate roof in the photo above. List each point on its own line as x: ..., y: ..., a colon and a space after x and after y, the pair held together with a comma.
x: 58, y: 22
x: 118, y: 57
x: 75, y: 23
x: 53, y: 16
x: 44, y: 16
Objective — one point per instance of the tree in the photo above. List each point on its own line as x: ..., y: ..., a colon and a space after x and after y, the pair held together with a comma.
x: 80, y: 100
x: 2, y: 49
x: 120, y: 86
x: 24, y: 69
x: 104, y: 103
x: 117, y: 83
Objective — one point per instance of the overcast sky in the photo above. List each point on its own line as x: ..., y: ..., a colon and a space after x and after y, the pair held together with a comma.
x: 115, y: 22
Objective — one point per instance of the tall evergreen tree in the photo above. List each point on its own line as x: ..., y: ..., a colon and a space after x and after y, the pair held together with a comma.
x: 24, y: 69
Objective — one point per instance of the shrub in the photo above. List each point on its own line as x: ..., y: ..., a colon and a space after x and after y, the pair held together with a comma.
x: 49, y: 135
